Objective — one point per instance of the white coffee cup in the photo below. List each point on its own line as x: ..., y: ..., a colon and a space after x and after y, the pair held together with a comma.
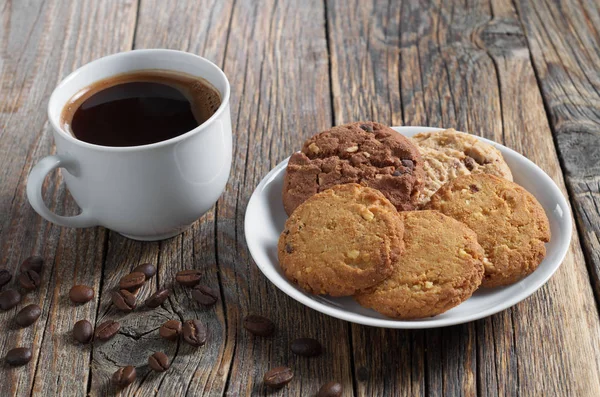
x: 148, y: 192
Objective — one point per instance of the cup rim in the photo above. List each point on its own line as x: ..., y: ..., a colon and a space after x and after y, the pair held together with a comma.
x: 197, y: 130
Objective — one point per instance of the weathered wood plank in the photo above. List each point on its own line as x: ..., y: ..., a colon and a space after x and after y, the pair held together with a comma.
x: 277, y: 62
x: 564, y: 39
x: 258, y: 45
x: 199, y: 27
x: 41, y: 42
x: 464, y: 66
x: 569, y: 332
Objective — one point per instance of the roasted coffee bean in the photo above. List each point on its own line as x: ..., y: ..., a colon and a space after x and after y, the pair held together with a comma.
x: 170, y: 330
x: 194, y: 333
x: 18, y: 356
x: 5, y: 277
x: 123, y: 300
x: 259, y: 325
x: 35, y: 263
x: 81, y: 294
x: 28, y: 315
x: 157, y: 298
x: 307, y: 347
x: 145, y: 268
x: 188, y: 278
x: 205, y: 295
x: 29, y: 280
x: 9, y: 299
x: 159, y: 362
x: 107, y: 330
x: 278, y: 377
x: 330, y: 389
x: 83, y: 331
x: 123, y: 377
x: 133, y: 281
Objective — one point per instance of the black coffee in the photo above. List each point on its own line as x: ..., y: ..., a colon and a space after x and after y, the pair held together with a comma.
x: 140, y: 108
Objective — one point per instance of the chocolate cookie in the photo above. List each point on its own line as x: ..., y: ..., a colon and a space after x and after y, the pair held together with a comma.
x: 341, y: 240
x: 440, y: 268
x: 367, y: 153
x: 510, y: 224
x: 449, y: 154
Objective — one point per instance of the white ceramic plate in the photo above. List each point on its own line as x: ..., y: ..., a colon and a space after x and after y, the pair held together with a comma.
x: 265, y: 219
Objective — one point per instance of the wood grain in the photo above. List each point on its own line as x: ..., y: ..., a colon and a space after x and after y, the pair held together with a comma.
x: 281, y: 97
x: 464, y: 66
x: 516, y: 73
x: 287, y: 106
x: 564, y: 39
x: 41, y: 42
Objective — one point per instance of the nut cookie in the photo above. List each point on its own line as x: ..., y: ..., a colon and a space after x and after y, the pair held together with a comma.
x: 341, y: 240
x: 440, y: 268
x: 449, y: 154
x: 366, y: 153
x: 510, y: 224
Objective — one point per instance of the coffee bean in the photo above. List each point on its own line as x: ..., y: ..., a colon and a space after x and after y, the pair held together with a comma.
x: 29, y: 280
x: 83, y: 331
x: 194, y: 333
x: 145, y: 268
x: 159, y: 362
x: 18, y: 356
x: 28, y: 315
x: 123, y: 300
x: 170, y: 330
x: 5, y: 277
x: 124, y: 376
x: 188, y: 278
x: 259, y: 325
x: 205, y: 295
x: 132, y: 281
x: 81, y: 294
x: 330, y: 389
x: 107, y: 330
x: 35, y: 263
x: 9, y: 299
x: 278, y: 377
x: 157, y: 298
x: 307, y: 347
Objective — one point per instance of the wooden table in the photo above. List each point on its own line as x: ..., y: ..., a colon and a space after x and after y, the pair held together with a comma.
x: 525, y: 73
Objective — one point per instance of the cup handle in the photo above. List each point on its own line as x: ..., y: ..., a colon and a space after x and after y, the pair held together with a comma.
x: 34, y: 192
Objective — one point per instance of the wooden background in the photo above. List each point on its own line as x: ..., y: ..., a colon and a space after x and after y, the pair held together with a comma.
x: 524, y: 73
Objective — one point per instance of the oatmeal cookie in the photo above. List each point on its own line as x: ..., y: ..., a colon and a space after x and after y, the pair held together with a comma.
x: 449, y: 154
x: 440, y: 268
x: 510, y: 224
x: 341, y: 240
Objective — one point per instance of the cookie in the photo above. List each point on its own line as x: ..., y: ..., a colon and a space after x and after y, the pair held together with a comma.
x: 440, y: 268
x: 510, y: 224
x: 449, y: 154
x: 341, y: 240
x: 366, y: 153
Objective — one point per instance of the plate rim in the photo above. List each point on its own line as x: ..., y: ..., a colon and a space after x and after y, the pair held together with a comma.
x: 342, y: 314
